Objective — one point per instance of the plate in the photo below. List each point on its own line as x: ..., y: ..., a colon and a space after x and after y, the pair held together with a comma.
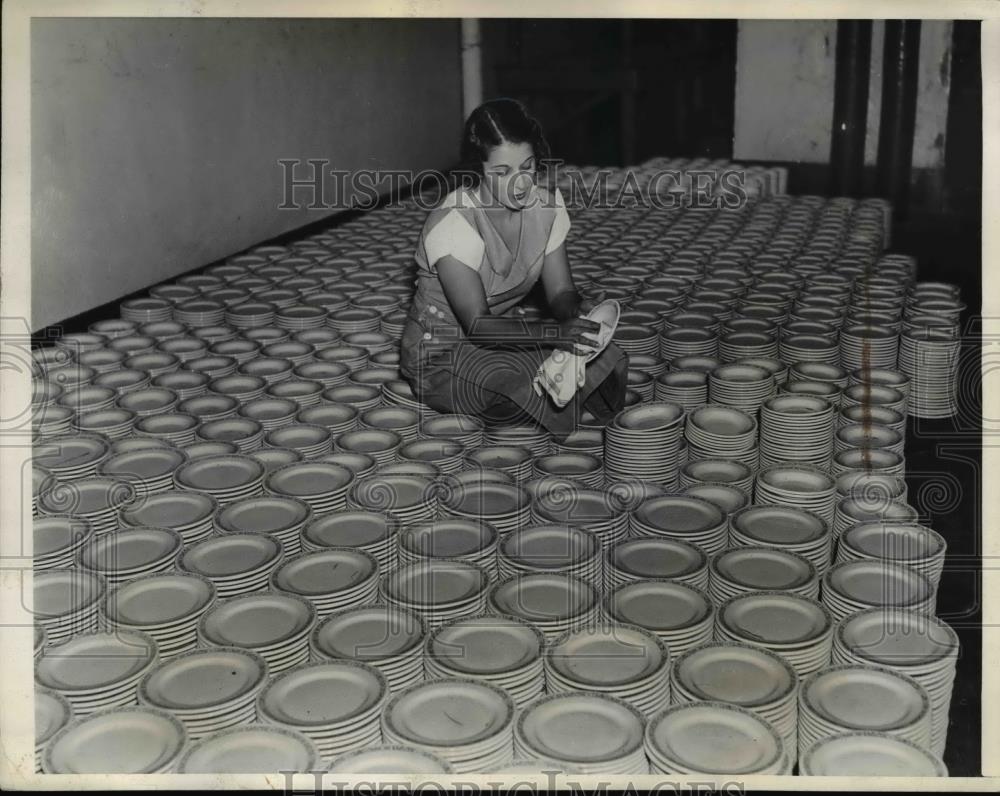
x: 870, y: 755
x: 263, y: 515
x: 52, y: 713
x: 388, y: 759
x: 659, y: 605
x: 322, y: 694
x: 763, y: 569
x: 448, y: 538
x: 776, y: 619
x: 203, y: 679
x: 325, y: 572
x: 153, y: 601
x: 435, y: 582
x: 349, y: 529
x: 547, y: 597
x: 599, y: 658
x: 679, y: 514
x: 486, y: 645
x: 171, y: 509
x: 865, y: 698
x: 220, y: 473
x: 251, y: 749
x: 739, y: 674
x: 231, y: 557
x: 309, y: 478
x: 650, y: 416
x: 581, y: 728
x: 649, y: 557
x: 370, y: 633
x: 779, y: 524
x: 448, y: 713
x: 257, y: 621
x: 130, y: 549
x: 90, y: 663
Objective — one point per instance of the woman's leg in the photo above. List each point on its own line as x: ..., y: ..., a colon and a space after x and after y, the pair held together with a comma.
x: 608, y: 398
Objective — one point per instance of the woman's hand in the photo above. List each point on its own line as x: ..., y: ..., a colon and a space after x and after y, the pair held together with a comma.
x: 575, y: 332
x: 588, y: 304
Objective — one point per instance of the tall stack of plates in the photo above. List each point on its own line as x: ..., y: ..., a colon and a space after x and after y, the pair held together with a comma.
x: 468, y: 540
x: 96, y: 670
x: 208, y: 689
x: 712, y: 738
x: 874, y: 460
x: 188, y: 513
x: 225, y: 478
x: 785, y: 528
x: 533, y: 437
x: 930, y: 358
x: 501, y: 650
x: 389, y: 759
x: 717, y: 471
x: 337, y: 418
x: 149, y: 470
x: 688, y: 519
x: 422, y: 716
x: 744, y: 675
x: 236, y: 562
x: 659, y: 558
x: 796, y: 428
x: 551, y: 548
x: 466, y: 429
x: 407, y: 498
x: 166, y: 605
x: 583, y: 440
x: 112, y: 423
x: 200, y: 312
x: 245, y: 434
x: 624, y: 661
x: 797, y: 628
x: 130, y: 553
x: 312, y: 441
x: 175, y: 427
x: 800, y: 486
x: 515, y: 460
x: 51, y: 421
x: 552, y: 602
x: 274, y: 625
x: 381, y: 445
x: 96, y: 499
x: 373, y: 532
x: 876, y: 508
x: 399, y: 393
x: 503, y: 506
x: 593, y: 510
x: 250, y: 749
x: 921, y: 646
x: 740, y: 386
x: 146, y: 310
x: 869, y: 754
x: 270, y: 413
x: 868, y: 435
x: 336, y: 704
x: 331, y: 579
x: 447, y: 457
x: 718, y: 430
x: 687, y: 388
x: 119, y: 740
x: 388, y: 637
x: 726, y: 497
x: 66, y: 602
x: 859, y: 698
x: 57, y: 539
x: 438, y: 589
x: 582, y: 466
x: 644, y: 442
x: 403, y: 421
x: 746, y: 569
x: 593, y: 733
x: 52, y: 712
x: 322, y: 485
x: 853, y: 586
x: 906, y: 543
x: 298, y: 318
x: 243, y: 388
x: 680, y: 615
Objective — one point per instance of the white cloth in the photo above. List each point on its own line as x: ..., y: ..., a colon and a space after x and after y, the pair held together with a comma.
x: 563, y: 372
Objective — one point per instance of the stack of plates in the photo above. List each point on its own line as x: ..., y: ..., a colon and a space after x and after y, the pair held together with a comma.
x: 146, y: 310
x: 658, y: 558
x: 868, y: 435
x: 389, y: 759
x: 57, y: 539
x: 872, y: 460
x: 638, y: 340
x: 876, y: 508
x: 503, y: 506
x: 785, y: 528
x: 90, y: 399
x: 680, y: 615
x: 930, y: 358
x: 799, y: 486
x: 746, y: 569
x: 687, y: 388
x: 868, y: 345
x: 501, y: 650
x: 515, y: 460
x: 438, y: 589
x: 551, y: 548
x: 553, y: 602
x: 725, y: 431
x: 399, y: 393
x: 51, y: 421
x: 381, y: 445
x: 149, y: 470
x: 225, y: 478
x: 535, y: 438
x: 336, y: 704
x: 726, y: 497
x: 593, y: 510
x: 337, y: 418
x: 869, y: 754
x: 682, y: 517
x: 121, y: 740
x: 796, y: 428
x: 96, y: 670
x: 386, y: 636
x: 797, y: 628
x: 200, y: 312
x: 713, y: 738
x: 331, y: 579
x: 466, y: 429
x: 130, y: 553
x: 360, y: 464
x: 447, y: 457
x: 474, y: 541
x: 298, y: 318
x: 373, y: 532
x: 921, y: 646
x: 644, y: 442
x: 250, y: 749
x: 717, y: 471
x: 236, y: 563
x: 619, y: 660
x: 868, y: 583
x: 859, y: 698
x: 740, y: 386
x: 405, y: 422
x: 871, y: 487
x: 273, y: 458
x: 112, y: 423
x: 809, y: 348
x: 422, y: 716
x: 52, y: 712
x: 66, y: 602
x: 208, y: 689
x: 408, y: 499
x: 311, y: 441
x: 590, y: 732
x: 95, y: 499
x: 250, y: 314
x: 322, y: 485
x: 743, y: 675
x: 188, y: 513
x: 276, y: 516
x: 210, y: 407
x: 275, y: 626
x: 243, y: 388
x: 245, y: 434
x: 167, y: 606
x: 906, y: 543
x: 583, y: 440
x: 352, y: 320
x: 581, y: 466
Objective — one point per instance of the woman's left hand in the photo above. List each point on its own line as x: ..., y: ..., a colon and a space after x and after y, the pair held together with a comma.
x: 589, y: 303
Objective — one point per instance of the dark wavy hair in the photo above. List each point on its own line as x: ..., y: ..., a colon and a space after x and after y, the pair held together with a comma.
x: 493, y: 123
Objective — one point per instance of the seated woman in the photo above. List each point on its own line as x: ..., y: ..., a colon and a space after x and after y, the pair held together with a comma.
x: 467, y: 347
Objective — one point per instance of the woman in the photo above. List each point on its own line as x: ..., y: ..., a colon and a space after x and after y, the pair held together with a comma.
x: 467, y: 347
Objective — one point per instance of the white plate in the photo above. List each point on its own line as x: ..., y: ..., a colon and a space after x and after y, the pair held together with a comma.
x: 543, y: 597
x: 257, y: 621
x: 220, y: 473
x: 231, y: 557
x: 251, y: 749
x: 679, y: 514
x: 779, y: 524
x: 489, y: 499
x: 70, y: 452
x: 57, y: 535
x: 435, y: 583
x: 172, y: 509
x: 349, y: 529
x: 271, y: 515
x: 762, y: 569
x: 157, y: 600
x: 776, y: 619
x: 130, y: 549
x: 203, y: 679
x: 369, y: 633
x: 325, y: 572
x: 869, y: 755
x: 650, y: 417
x: 659, y: 605
x: 581, y: 728
x: 879, y: 583
x: 649, y: 557
x: 322, y: 694
x: 448, y: 713
x: 740, y: 674
x: 599, y: 658
x: 865, y: 698
x: 52, y: 712
x: 145, y: 464
x: 448, y: 538
x: 486, y: 645
x: 549, y: 546
x: 309, y: 479
x: 388, y: 759
x: 59, y: 594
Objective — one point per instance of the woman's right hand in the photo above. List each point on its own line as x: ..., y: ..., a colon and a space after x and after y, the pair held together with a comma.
x: 575, y: 332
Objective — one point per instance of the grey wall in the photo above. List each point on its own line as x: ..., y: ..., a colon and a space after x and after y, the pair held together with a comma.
x: 155, y: 142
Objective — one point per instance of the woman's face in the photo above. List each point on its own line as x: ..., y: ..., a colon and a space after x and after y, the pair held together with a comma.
x: 509, y: 174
